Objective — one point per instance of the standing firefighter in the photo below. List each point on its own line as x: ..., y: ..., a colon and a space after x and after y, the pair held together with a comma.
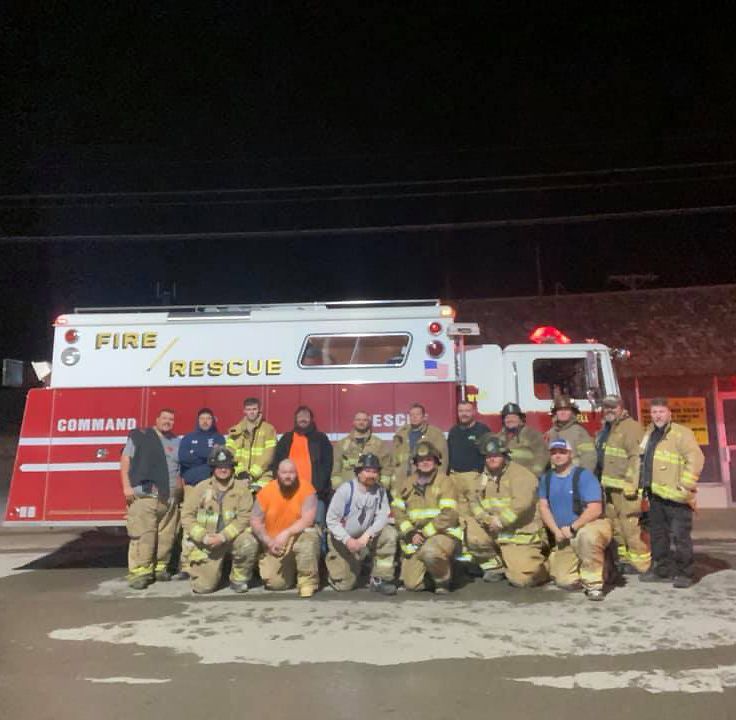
x: 253, y: 442
x: 671, y: 463
x: 407, y: 439
x: 425, y: 510
x: 149, y: 470
x: 216, y: 521
x: 565, y: 426
x: 526, y: 445
x: 571, y: 506
x: 360, y: 441
x: 466, y: 460
x: 357, y: 521
x: 617, y: 446
x: 503, y: 530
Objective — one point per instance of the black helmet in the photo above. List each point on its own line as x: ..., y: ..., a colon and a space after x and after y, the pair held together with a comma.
x: 511, y: 409
x: 221, y: 457
x: 491, y: 444
x: 425, y: 449
x: 564, y: 402
x: 368, y: 460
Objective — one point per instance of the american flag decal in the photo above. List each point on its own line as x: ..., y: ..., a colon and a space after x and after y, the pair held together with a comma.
x: 439, y: 370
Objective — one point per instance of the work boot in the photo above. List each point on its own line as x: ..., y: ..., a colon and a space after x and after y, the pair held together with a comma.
x: 140, y: 583
x: 306, y: 591
x: 239, y: 587
x: 385, y: 587
x: 594, y: 594
x: 682, y: 581
x: 163, y: 576
x: 493, y: 576
x: 653, y: 576
x: 182, y: 575
x: 442, y: 588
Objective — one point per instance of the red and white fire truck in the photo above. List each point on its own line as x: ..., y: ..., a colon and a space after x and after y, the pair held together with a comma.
x: 113, y: 369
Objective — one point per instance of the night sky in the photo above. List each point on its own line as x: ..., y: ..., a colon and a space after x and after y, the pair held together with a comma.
x: 270, y: 154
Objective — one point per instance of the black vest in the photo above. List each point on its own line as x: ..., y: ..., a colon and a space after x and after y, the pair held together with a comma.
x: 148, y: 467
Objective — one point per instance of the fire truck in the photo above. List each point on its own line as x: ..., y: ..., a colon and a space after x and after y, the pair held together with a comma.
x: 114, y: 369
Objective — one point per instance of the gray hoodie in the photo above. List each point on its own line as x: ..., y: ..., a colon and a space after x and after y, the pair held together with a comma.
x: 369, y: 510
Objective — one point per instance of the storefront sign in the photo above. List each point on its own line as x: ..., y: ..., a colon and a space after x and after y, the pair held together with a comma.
x: 688, y: 411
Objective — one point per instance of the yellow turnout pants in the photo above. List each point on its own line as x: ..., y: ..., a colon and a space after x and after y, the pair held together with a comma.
x: 625, y: 516
x: 206, y: 573
x: 152, y: 526
x: 581, y: 559
x: 523, y: 564
x: 343, y: 566
x: 433, y: 557
x: 299, y: 565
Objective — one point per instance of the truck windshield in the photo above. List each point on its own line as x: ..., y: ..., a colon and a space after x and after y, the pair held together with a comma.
x: 561, y: 376
x: 372, y: 350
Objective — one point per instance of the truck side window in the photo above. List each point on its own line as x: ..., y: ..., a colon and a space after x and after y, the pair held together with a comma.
x: 372, y: 350
x: 559, y: 376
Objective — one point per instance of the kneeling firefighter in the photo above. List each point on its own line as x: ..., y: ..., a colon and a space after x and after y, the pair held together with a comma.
x: 216, y: 521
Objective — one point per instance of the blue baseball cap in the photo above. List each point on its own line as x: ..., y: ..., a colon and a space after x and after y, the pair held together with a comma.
x: 560, y: 444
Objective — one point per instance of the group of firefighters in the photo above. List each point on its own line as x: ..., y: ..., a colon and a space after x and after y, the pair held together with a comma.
x: 515, y: 505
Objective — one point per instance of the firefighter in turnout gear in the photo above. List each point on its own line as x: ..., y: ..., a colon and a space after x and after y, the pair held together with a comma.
x: 565, y: 426
x: 670, y: 464
x: 504, y: 533
x: 571, y: 506
x: 425, y: 511
x: 252, y: 442
x: 526, y: 445
x: 216, y: 521
x: 617, y: 447
x: 357, y: 521
x: 406, y: 441
x: 360, y: 441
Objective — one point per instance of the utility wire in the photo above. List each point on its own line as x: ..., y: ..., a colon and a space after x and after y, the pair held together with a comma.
x: 360, y: 186
x: 376, y: 196
x: 383, y: 229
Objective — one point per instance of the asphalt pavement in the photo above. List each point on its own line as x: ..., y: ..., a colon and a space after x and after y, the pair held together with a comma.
x: 75, y: 642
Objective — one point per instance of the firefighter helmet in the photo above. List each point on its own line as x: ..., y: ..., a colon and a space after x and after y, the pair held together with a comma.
x: 221, y: 457
x: 491, y: 444
x: 512, y: 409
x: 369, y: 461
x: 425, y: 449
x: 564, y: 402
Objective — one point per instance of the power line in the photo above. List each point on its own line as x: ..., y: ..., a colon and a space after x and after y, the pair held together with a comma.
x: 375, y: 196
x: 384, y: 229
x: 360, y: 186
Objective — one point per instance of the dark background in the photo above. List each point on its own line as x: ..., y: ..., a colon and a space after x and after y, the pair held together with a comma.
x: 275, y: 152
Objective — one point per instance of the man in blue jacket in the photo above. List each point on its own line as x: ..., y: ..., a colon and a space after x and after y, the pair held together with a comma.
x: 194, y: 450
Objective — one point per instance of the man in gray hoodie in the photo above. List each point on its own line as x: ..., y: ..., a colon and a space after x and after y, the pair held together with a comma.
x: 357, y: 524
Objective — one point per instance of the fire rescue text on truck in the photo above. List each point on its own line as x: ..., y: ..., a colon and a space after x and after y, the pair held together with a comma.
x: 113, y: 369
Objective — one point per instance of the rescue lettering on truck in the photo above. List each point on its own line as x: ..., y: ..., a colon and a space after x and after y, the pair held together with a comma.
x: 114, y: 369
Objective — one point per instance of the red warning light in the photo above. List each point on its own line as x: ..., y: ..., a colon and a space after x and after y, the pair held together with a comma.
x: 435, y: 349
x: 71, y: 336
x: 435, y: 328
x: 548, y: 334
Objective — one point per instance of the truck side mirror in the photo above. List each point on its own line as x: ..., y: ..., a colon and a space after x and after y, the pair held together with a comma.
x: 593, y: 392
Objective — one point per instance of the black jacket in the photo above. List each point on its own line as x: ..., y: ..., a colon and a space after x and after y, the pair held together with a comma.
x: 320, y: 453
x: 148, y: 464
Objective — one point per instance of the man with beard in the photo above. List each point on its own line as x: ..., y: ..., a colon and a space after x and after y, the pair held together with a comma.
x: 425, y: 510
x: 283, y: 520
x: 565, y: 426
x: 617, y: 447
x: 671, y: 463
x: 526, y: 445
x: 311, y: 453
x: 360, y: 441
